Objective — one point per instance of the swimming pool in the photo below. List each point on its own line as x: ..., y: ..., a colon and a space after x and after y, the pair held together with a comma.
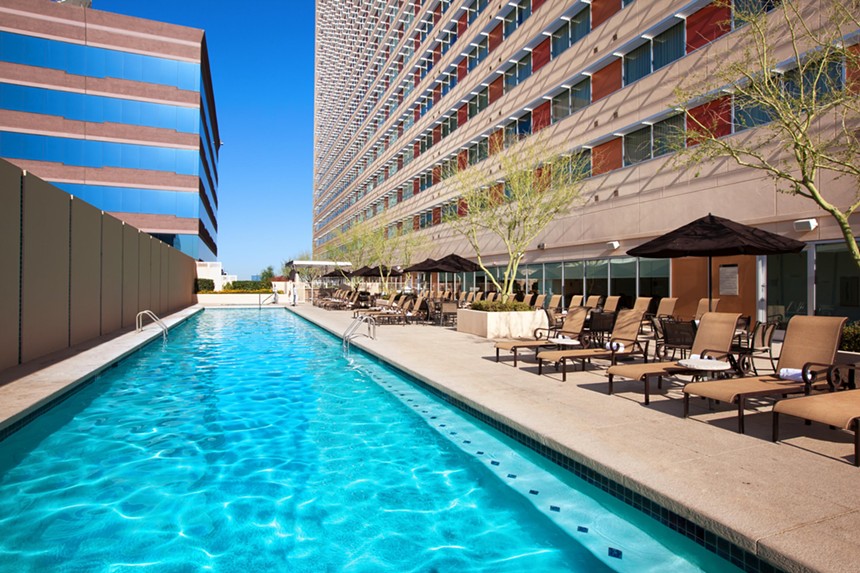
x: 249, y: 442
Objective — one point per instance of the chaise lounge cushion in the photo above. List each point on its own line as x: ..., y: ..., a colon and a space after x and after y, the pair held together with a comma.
x: 838, y: 409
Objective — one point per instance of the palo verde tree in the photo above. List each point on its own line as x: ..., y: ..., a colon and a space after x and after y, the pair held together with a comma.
x: 308, y: 273
x: 793, y: 75
x: 514, y: 203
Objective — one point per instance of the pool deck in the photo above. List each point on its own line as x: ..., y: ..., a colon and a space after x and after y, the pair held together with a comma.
x: 795, y: 504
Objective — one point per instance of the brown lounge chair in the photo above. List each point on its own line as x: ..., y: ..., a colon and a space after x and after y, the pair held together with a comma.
x: 575, y: 301
x: 704, y: 305
x: 624, y: 333
x: 810, y: 342
x: 713, y: 339
x: 837, y: 409
x: 571, y: 328
x: 612, y: 304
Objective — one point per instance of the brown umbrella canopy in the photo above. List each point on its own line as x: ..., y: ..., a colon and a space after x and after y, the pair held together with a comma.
x: 430, y: 266
x: 459, y: 264
x: 714, y: 236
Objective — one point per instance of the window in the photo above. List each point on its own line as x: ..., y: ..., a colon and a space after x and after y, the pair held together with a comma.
x: 809, y: 82
x: 748, y: 113
x: 571, y: 32
x: 665, y: 48
x: 571, y: 100
x: 518, y: 72
x: 521, y: 11
x: 449, y: 125
x: 653, y: 141
x: 479, y: 102
x: 743, y: 9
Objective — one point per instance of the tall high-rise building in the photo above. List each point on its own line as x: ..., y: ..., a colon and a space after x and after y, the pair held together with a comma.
x: 405, y: 89
x: 116, y: 110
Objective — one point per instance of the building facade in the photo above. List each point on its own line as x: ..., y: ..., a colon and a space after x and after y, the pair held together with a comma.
x: 406, y: 89
x: 117, y: 111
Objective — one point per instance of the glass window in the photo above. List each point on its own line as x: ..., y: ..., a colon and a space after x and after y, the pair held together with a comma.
x: 654, y: 277
x: 637, y: 63
x: 560, y: 40
x: 574, y: 272
x: 580, y: 95
x: 786, y: 285
x: 637, y: 146
x: 561, y: 106
x: 580, y: 25
x: 748, y: 113
x: 597, y: 277
x: 668, y: 135
x: 622, y: 273
x: 669, y: 45
x: 837, y: 282
x: 552, y: 275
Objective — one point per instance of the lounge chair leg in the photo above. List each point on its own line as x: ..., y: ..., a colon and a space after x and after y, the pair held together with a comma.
x: 497, y: 354
x: 775, y: 436
x: 515, y: 357
x: 740, y: 414
x: 540, y: 366
x: 647, y: 391
x: 857, y: 442
x: 563, y: 370
x: 686, y: 404
x: 610, y: 383
x: 659, y: 382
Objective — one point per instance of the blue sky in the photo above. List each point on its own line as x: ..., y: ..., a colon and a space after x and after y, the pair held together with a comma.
x: 262, y: 58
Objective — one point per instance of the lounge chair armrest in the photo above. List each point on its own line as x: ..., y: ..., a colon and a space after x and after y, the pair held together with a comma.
x: 543, y: 333
x: 813, y: 371
x: 839, y: 375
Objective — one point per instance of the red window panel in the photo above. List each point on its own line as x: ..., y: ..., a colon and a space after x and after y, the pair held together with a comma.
x: 437, y: 215
x: 399, y: 162
x: 437, y: 134
x: 462, y: 23
x: 437, y: 13
x: 463, y: 159
x: 437, y: 54
x: 462, y: 69
x: 714, y: 118
x: 385, y: 174
x: 399, y: 199
x: 602, y: 10
x: 495, y: 37
x: 462, y: 115
x: 437, y: 174
x: 541, y: 116
x: 415, y: 223
x: 497, y: 141
x: 537, y: 4
x: 399, y: 227
x: 606, y: 80
x: 540, y: 55
x: 415, y: 186
x: 416, y: 115
x: 497, y: 88
x: 852, y: 72
x: 707, y: 25
x: 437, y: 94
x: 416, y: 148
x: 462, y: 208
x: 497, y: 193
x: 606, y: 157
x: 385, y: 202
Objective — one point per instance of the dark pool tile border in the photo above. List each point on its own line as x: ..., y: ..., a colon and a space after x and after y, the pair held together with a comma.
x: 734, y: 554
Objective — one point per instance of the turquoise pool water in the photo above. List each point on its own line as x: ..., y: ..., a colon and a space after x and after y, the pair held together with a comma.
x: 249, y: 442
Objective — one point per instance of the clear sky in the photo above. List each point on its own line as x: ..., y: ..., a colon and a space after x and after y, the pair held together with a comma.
x: 262, y: 58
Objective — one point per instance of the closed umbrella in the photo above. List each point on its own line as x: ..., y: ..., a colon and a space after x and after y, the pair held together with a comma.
x: 713, y: 236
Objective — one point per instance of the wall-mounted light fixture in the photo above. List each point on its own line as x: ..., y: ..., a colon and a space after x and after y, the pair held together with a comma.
x: 805, y: 225
x: 541, y: 246
x: 613, y: 245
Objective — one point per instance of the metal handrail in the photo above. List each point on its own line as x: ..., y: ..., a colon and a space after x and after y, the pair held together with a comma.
x: 350, y: 331
x: 138, y: 321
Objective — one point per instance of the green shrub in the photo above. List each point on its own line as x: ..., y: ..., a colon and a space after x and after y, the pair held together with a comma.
x: 851, y: 337
x: 204, y: 285
x: 498, y: 306
x: 248, y: 286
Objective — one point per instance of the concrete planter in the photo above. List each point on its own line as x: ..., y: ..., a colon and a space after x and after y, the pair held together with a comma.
x: 500, y: 324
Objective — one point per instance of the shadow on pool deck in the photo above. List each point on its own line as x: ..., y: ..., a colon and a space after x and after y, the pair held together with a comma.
x: 794, y: 504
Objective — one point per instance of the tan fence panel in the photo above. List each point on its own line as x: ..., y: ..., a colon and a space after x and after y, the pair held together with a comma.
x: 130, y: 273
x: 10, y: 263
x: 155, y: 277
x: 111, y: 278
x: 85, y: 282
x: 45, y: 273
x: 164, y: 286
x: 144, y: 263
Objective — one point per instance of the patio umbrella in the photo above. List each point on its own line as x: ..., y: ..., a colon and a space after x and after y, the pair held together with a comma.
x: 460, y: 264
x: 713, y: 236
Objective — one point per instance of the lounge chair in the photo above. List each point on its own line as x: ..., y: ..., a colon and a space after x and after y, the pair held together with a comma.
x: 623, y: 342
x: 713, y: 340
x: 575, y: 301
x: 612, y: 303
x: 838, y: 409
x: 666, y: 308
x: 706, y: 306
x: 545, y: 338
x: 593, y: 301
x: 810, y: 342
x: 642, y: 303
x: 554, y: 302
x: 538, y: 301
x: 759, y: 343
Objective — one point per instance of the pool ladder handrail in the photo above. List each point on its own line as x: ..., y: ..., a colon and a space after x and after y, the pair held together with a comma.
x: 356, y: 323
x: 148, y: 313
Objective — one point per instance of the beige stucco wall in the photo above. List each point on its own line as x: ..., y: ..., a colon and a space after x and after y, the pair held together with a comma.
x: 77, y: 271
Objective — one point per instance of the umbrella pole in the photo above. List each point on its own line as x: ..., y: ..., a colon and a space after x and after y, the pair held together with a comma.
x: 710, y: 286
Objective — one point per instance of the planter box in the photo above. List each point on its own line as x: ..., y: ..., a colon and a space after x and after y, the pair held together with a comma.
x: 500, y: 324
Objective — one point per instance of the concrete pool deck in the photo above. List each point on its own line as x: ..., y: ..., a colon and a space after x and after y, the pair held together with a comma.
x: 795, y: 504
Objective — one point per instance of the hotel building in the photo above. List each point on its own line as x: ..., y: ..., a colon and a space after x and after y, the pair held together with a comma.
x: 404, y: 88
x: 117, y: 111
